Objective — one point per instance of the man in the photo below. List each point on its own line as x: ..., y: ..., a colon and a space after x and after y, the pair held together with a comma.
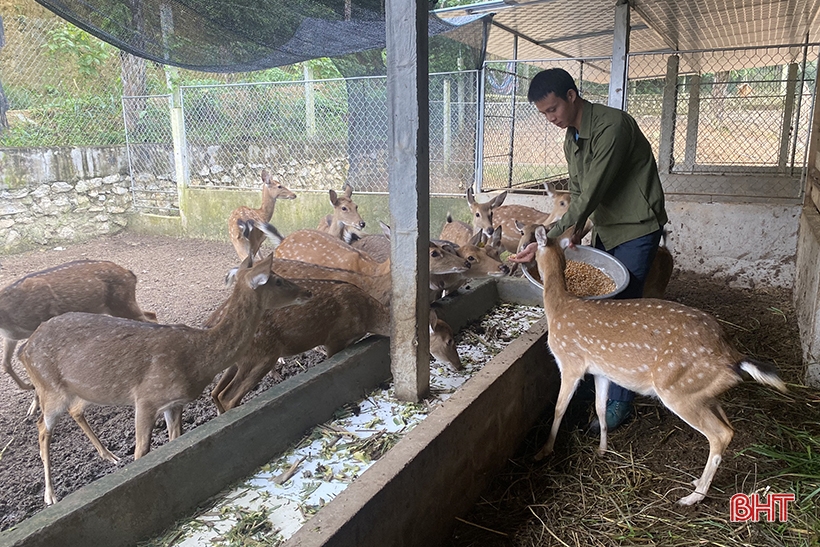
x: 613, y: 181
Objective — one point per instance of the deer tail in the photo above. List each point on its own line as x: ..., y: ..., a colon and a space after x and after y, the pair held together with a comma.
x: 762, y: 372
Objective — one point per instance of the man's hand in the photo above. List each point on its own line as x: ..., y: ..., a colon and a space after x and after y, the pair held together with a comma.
x: 526, y: 255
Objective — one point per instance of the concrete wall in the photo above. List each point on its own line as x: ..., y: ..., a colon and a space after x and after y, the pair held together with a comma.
x: 807, y: 292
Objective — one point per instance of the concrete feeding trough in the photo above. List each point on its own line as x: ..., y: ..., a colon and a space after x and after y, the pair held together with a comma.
x: 605, y: 262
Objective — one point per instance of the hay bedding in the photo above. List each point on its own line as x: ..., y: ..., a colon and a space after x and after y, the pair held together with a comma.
x: 573, y: 498
x: 627, y: 497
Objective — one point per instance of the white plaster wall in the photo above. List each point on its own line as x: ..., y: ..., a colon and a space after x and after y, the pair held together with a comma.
x: 747, y: 244
x: 807, y: 293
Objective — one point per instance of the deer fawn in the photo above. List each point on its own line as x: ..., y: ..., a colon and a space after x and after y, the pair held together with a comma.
x: 79, y: 358
x: 653, y: 347
x: 92, y: 286
x: 247, y: 226
x: 443, y: 343
x: 345, y: 223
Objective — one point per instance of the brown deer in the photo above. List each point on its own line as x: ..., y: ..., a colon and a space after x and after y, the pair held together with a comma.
x: 483, y: 256
x: 92, y: 286
x: 443, y: 343
x: 336, y: 316
x: 323, y: 249
x: 345, y: 223
x: 460, y: 232
x: 508, y: 216
x: 79, y: 358
x: 660, y: 272
x: 653, y: 347
x: 247, y: 227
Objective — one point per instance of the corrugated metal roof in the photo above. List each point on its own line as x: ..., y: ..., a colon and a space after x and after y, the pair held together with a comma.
x: 584, y: 28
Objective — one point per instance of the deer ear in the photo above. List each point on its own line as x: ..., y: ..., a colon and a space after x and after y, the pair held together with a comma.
x: 499, y: 199
x: 541, y: 236
x: 258, y: 279
x: 333, y: 197
x: 348, y: 190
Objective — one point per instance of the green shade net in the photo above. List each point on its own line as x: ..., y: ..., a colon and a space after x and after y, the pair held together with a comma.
x: 249, y: 35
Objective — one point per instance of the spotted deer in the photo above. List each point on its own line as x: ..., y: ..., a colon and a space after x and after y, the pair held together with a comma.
x: 247, y: 227
x: 323, y: 249
x: 653, y: 347
x: 508, y: 216
x: 657, y: 278
x: 92, y: 286
x: 79, y: 358
x: 484, y: 258
x: 482, y: 212
x: 345, y: 222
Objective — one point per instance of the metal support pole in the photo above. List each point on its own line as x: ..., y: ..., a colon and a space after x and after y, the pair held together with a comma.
x: 511, y: 164
x: 409, y: 186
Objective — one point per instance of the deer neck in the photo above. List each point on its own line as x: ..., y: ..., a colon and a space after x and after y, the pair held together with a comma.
x: 336, y: 228
x: 230, y: 337
x: 551, y: 267
x: 268, y: 205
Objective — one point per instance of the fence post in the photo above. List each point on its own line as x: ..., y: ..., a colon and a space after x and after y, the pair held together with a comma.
x: 446, y: 136
x: 180, y: 151
x: 310, y: 103
x: 668, y: 105
x: 620, y: 51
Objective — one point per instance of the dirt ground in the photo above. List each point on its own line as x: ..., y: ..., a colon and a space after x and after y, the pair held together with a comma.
x: 182, y: 282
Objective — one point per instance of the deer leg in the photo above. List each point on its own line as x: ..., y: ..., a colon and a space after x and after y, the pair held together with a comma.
x: 601, y: 392
x: 76, y: 412
x: 708, y: 418
x: 44, y: 438
x: 8, y: 352
x: 144, y: 419
x: 568, y: 386
x: 173, y: 422
x: 224, y: 381
x: 244, y: 381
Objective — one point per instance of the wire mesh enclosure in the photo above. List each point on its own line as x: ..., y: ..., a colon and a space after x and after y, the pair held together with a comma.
x: 738, y: 124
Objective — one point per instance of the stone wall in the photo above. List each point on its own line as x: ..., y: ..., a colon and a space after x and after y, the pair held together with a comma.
x: 54, y: 196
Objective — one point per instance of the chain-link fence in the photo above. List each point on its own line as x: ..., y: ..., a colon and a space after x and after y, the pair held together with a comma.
x: 735, y: 113
x: 319, y: 133
x: 729, y: 114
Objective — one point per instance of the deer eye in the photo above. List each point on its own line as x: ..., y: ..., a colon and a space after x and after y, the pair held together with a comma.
x: 434, y: 254
x: 478, y: 214
x: 471, y: 258
x: 344, y: 208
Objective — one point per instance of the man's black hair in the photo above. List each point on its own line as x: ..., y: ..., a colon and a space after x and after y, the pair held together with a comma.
x: 551, y: 80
